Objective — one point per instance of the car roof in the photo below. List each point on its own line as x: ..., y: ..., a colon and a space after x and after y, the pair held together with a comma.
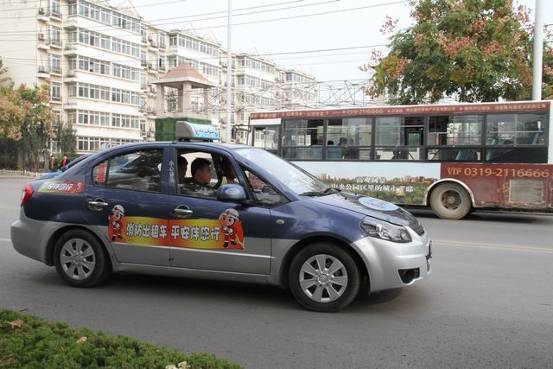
x: 187, y: 143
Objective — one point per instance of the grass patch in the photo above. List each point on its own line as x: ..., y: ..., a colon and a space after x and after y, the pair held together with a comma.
x: 33, y: 343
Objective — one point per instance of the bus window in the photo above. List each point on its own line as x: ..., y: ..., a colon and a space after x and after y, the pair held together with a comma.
x: 517, y: 155
x: 266, y: 138
x: 303, y: 139
x: 520, y: 129
x: 451, y: 154
x: 461, y: 130
x: 349, y: 139
x: 403, y: 138
x: 437, y: 130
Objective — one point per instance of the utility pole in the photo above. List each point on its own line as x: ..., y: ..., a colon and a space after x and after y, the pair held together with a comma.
x: 228, y: 132
x: 538, y: 52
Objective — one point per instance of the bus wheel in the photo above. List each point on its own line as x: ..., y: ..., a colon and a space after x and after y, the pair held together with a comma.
x: 450, y: 201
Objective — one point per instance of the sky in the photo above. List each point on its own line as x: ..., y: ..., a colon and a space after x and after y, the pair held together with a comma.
x: 359, y: 27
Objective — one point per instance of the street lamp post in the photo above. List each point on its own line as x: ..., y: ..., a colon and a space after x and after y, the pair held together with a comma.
x: 538, y: 52
x: 228, y: 132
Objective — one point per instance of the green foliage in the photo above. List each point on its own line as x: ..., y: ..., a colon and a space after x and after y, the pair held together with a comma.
x: 25, y: 117
x: 473, y: 49
x: 37, y: 344
x: 36, y: 127
x: 66, y: 138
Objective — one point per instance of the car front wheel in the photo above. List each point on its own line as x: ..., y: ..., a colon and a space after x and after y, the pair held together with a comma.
x: 80, y: 259
x: 324, y: 277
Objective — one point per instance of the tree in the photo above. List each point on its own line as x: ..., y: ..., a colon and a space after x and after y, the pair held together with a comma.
x: 66, y: 139
x: 475, y: 50
x: 36, y: 127
x: 11, y: 110
x: 25, y: 121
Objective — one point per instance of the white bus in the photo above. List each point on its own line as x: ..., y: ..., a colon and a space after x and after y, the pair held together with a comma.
x: 451, y: 157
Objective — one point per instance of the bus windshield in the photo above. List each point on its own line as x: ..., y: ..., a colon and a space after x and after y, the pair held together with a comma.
x: 299, y: 181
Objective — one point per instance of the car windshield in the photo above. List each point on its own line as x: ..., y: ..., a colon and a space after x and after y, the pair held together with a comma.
x: 299, y: 181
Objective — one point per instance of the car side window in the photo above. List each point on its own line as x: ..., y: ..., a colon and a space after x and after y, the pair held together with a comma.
x: 197, y: 174
x: 263, y: 192
x: 138, y: 171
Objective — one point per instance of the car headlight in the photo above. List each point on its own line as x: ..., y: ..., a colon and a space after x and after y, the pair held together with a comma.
x: 384, y: 230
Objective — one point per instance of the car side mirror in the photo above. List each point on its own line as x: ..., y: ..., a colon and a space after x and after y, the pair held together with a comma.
x: 231, y: 193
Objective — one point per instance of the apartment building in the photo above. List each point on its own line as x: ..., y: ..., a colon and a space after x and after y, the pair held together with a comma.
x: 102, y: 63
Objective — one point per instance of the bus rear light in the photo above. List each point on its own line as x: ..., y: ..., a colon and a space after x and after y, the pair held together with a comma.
x: 27, y: 193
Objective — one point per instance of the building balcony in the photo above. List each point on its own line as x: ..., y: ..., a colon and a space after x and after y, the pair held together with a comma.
x: 43, y: 15
x: 56, y: 14
x: 55, y: 44
x: 43, y: 72
x: 70, y: 49
x: 153, y: 45
x: 71, y: 23
x: 43, y: 41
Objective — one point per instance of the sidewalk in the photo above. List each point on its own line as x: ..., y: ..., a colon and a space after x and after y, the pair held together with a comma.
x: 5, y: 173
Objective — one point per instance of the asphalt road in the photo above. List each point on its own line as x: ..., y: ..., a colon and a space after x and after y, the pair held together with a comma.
x: 487, y: 304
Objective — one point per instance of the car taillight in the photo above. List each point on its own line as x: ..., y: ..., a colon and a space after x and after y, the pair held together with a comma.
x: 27, y: 193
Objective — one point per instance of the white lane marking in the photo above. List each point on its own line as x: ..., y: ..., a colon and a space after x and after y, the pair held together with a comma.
x: 483, y: 245
x: 5, y: 240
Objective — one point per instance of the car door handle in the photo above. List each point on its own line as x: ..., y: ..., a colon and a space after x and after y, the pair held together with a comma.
x: 97, y: 205
x: 182, y: 213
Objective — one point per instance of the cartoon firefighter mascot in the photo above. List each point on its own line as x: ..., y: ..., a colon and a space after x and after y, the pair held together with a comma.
x: 231, y: 229
x: 115, y: 221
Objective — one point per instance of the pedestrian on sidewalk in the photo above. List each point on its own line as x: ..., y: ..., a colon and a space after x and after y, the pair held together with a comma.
x: 64, y: 161
x: 52, y: 164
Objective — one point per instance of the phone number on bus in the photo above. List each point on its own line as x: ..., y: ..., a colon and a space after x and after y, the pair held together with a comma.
x: 499, y: 172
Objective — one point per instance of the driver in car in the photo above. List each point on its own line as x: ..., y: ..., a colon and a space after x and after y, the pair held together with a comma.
x: 201, y: 178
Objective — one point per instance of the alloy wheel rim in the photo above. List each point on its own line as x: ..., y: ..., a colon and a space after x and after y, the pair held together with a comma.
x: 77, y: 259
x: 323, y: 278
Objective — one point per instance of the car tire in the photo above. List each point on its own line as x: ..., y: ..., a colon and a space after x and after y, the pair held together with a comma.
x: 325, y: 289
x: 80, y: 259
x: 450, y: 201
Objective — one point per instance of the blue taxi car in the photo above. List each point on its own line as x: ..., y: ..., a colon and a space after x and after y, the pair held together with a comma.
x: 207, y: 210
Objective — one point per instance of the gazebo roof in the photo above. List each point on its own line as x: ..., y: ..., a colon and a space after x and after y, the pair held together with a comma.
x: 184, y: 73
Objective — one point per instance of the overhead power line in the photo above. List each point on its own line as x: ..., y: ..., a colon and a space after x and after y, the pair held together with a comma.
x: 309, y: 15
x: 157, y: 3
x: 155, y: 24
x: 298, y: 52
x: 190, y: 15
x: 273, y: 19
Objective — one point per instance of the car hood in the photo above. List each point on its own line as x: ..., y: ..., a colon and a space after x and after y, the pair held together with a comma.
x: 371, y: 207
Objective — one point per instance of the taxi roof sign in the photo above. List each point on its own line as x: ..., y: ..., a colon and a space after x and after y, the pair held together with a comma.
x: 185, y: 130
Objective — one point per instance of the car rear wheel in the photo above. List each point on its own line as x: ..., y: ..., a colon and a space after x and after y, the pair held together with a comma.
x: 80, y: 259
x: 450, y: 201
x: 324, y: 277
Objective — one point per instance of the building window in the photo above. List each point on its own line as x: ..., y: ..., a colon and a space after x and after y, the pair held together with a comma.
x: 55, y: 64
x: 55, y: 36
x: 56, y: 91
x: 55, y: 8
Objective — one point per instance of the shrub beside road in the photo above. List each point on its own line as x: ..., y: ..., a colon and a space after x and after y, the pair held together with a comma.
x: 33, y: 343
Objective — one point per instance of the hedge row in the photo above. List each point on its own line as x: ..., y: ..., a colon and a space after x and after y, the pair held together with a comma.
x: 32, y: 343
